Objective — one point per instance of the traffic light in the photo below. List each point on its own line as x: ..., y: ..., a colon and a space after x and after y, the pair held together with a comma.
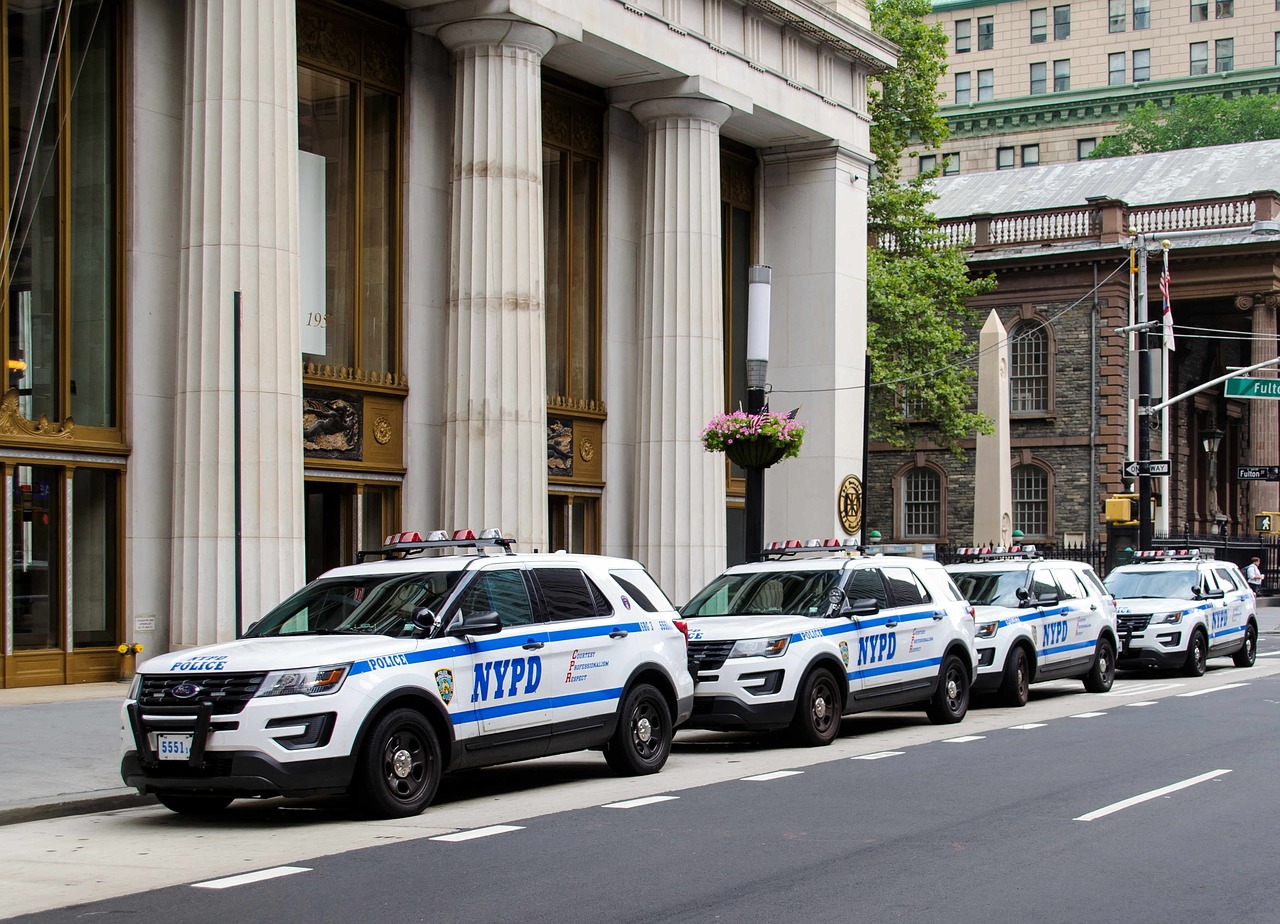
x: 1266, y: 522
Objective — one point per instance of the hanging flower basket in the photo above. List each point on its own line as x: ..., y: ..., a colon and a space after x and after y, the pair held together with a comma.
x: 754, y: 440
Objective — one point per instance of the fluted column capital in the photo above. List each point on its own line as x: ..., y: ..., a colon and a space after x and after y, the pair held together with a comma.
x: 680, y: 107
x: 472, y: 33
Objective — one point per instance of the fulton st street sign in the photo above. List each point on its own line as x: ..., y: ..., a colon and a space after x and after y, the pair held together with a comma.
x: 1244, y: 387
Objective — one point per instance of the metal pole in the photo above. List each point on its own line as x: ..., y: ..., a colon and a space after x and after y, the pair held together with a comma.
x: 759, y: 280
x: 235, y: 451
x: 1144, y: 404
x: 866, y: 448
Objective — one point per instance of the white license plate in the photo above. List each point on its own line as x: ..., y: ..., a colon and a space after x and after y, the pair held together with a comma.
x: 173, y: 747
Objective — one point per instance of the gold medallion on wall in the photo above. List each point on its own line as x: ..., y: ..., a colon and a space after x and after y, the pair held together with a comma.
x: 849, y: 505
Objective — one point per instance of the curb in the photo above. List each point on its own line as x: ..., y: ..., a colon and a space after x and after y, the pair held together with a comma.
x: 82, y: 804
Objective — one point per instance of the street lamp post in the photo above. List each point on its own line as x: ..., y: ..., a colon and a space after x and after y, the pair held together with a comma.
x: 759, y: 283
x: 1211, y: 439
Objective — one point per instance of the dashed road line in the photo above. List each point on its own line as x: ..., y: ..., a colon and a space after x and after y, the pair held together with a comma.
x: 1087, y: 715
x: 1028, y: 726
x: 636, y: 803
x: 474, y: 833
x: 878, y: 755
x: 1226, y: 686
x: 246, y: 878
x: 963, y: 739
x: 775, y: 775
x: 1144, y: 702
x: 1148, y: 796
x: 1142, y: 689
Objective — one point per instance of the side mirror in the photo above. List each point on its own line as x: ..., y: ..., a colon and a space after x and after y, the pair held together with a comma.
x: 863, y: 606
x: 483, y: 623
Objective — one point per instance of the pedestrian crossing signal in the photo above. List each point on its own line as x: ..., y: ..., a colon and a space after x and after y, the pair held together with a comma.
x: 1266, y: 522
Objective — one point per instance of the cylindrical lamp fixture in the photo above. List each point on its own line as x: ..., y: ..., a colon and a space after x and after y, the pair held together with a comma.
x: 759, y: 288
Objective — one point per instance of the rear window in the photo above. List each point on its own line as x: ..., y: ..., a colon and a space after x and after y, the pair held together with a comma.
x: 570, y: 594
x: 642, y: 589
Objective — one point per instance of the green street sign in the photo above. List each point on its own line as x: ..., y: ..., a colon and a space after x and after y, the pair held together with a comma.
x: 1245, y: 387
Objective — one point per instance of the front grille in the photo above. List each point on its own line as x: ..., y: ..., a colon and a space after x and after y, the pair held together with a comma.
x: 227, y: 693
x: 214, y: 766
x: 1133, y: 622
x: 707, y: 656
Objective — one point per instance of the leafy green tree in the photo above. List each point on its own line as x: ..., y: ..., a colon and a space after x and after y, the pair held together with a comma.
x: 917, y: 288
x: 1193, y: 121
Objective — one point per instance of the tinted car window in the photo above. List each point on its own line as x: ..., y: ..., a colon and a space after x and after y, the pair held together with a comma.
x: 1072, y: 589
x: 642, y: 590
x: 867, y: 583
x: 906, y: 587
x: 503, y: 592
x: 570, y: 594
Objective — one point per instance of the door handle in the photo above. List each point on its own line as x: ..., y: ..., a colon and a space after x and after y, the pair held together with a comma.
x: 618, y: 633
x: 890, y: 625
x: 533, y: 645
x: 937, y: 616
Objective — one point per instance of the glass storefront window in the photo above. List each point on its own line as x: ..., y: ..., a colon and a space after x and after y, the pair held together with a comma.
x: 94, y: 572
x: 36, y: 515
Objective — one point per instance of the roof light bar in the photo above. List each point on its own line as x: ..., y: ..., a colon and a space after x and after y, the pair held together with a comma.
x: 404, y: 544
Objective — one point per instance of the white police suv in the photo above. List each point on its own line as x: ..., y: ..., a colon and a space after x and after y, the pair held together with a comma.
x: 816, y: 632
x: 1178, y: 608
x: 375, y: 678
x: 1036, y: 620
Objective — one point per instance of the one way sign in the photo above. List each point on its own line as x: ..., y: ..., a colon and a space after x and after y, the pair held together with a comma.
x: 1154, y: 467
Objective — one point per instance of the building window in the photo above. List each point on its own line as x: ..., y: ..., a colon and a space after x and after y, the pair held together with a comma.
x: 986, y: 33
x: 1031, y: 501
x: 1030, y: 155
x: 1040, y: 26
x: 1084, y: 147
x: 1224, y: 55
x: 1029, y: 368
x: 964, y: 36
x: 1004, y: 158
x: 964, y: 84
x: 1061, y: 75
x: 1141, y: 65
x: 1277, y: 58
x: 349, y: 121
x: 1039, y: 78
x: 1199, y: 58
x: 1061, y: 23
x: 951, y: 164
x: 1224, y: 9
x: 986, y: 85
x: 1199, y: 10
x: 928, y: 163
x: 1116, y: 10
x: 1116, y: 69
x: 921, y: 504
x: 1141, y: 14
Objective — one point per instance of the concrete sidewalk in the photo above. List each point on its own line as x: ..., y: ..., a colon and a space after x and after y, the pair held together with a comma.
x: 60, y: 746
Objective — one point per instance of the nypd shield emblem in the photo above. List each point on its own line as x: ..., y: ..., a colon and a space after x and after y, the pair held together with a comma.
x: 444, y: 682
x: 844, y: 653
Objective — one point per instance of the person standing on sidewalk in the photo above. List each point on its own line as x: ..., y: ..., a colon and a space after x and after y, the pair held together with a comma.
x: 1253, y: 574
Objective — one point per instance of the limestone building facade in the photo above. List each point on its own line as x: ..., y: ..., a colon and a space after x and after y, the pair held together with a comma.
x: 286, y: 276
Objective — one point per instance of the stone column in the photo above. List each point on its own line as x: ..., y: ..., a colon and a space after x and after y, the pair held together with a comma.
x: 1264, y: 424
x: 495, y: 452
x: 680, y: 520
x: 240, y: 232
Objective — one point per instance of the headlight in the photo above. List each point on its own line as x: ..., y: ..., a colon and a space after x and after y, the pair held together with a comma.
x: 1172, y: 619
x: 987, y: 630
x: 309, y: 681
x: 760, y: 647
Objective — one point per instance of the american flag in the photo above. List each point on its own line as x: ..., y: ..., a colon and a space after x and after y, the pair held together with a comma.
x: 1167, y: 313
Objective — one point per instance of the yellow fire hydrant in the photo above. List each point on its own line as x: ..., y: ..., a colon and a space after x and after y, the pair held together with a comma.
x: 127, y: 660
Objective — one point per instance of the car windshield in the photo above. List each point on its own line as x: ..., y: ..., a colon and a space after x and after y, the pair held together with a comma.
x: 991, y: 588
x: 1178, y: 584
x: 381, y: 604
x: 769, y: 593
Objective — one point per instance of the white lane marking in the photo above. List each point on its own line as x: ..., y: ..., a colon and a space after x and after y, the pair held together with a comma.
x: 1029, y: 725
x: 471, y: 835
x: 962, y: 739
x: 878, y: 755
x: 1142, y: 689
x: 1148, y: 796
x: 1087, y: 715
x: 636, y: 803
x: 775, y: 775
x: 1268, y: 654
x: 1226, y: 686
x: 246, y: 878
x: 1145, y: 702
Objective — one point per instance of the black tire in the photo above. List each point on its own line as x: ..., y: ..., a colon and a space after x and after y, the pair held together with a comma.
x: 1103, y: 672
x: 950, y: 701
x: 1248, y: 654
x: 398, y: 769
x: 1197, y: 655
x: 187, y: 804
x: 1015, y: 688
x: 642, y: 742
x: 818, y: 707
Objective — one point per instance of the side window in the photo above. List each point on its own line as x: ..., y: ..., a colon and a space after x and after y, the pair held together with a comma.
x: 1228, y: 579
x: 642, y: 590
x: 867, y: 583
x: 906, y: 587
x: 1094, y: 583
x: 570, y: 594
x: 1042, y: 583
x: 1072, y: 588
x: 504, y: 592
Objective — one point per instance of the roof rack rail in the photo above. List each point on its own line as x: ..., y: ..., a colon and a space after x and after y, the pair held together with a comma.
x: 408, y: 544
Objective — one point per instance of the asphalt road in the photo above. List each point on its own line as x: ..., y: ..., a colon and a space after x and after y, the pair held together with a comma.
x: 1154, y: 803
